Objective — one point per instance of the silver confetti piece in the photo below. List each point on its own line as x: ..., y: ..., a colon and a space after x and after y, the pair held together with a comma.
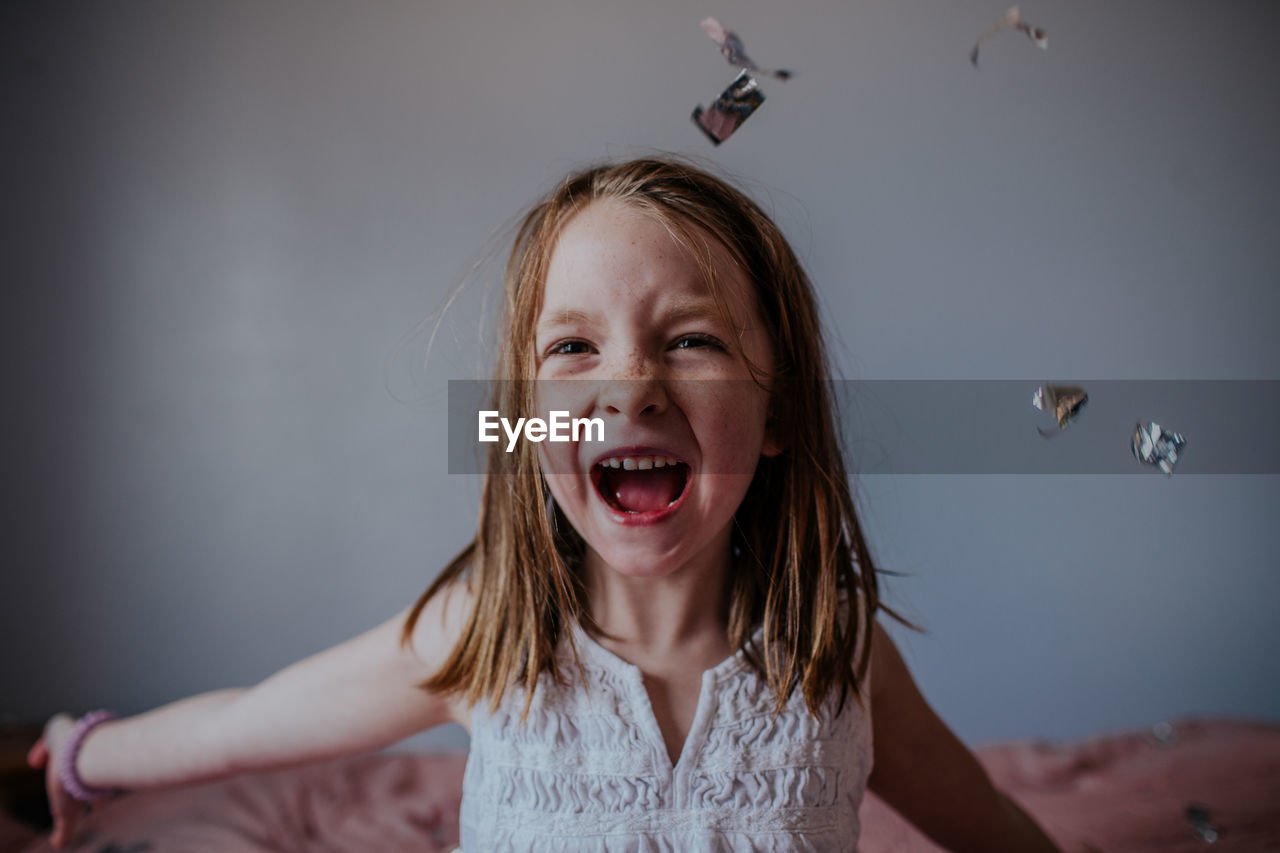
x: 731, y: 48
x: 1064, y: 401
x: 1012, y: 20
x: 1154, y: 445
x: 731, y: 109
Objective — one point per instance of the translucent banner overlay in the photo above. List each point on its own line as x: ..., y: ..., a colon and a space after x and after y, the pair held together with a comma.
x: 927, y: 426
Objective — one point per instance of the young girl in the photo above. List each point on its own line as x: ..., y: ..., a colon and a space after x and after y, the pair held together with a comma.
x: 662, y: 640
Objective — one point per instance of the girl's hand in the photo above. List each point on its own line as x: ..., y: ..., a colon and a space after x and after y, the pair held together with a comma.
x: 67, y: 811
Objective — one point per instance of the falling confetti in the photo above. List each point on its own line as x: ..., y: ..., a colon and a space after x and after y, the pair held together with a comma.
x: 1065, y: 401
x: 1153, y: 445
x: 1163, y: 733
x: 1012, y: 20
x: 731, y: 48
x: 731, y: 109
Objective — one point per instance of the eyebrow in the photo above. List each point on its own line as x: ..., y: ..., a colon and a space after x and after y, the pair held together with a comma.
x: 567, y: 317
x: 687, y: 309
x: 681, y: 310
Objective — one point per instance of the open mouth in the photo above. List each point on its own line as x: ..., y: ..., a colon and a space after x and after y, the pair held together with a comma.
x: 640, y: 484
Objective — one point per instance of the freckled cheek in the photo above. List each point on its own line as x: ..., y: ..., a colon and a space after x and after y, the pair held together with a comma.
x: 561, y: 461
x: 562, y: 395
x: 729, y: 434
x: 571, y: 400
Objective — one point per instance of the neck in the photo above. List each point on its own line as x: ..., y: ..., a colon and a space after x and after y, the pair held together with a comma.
x: 662, y: 612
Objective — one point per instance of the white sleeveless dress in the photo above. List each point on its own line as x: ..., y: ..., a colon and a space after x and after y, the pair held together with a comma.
x: 589, y: 770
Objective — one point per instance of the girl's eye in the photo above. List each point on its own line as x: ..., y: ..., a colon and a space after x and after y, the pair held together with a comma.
x: 697, y: 341
x: 569, y: 348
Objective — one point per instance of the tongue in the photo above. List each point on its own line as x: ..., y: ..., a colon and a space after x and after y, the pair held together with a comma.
x: 645, y: 491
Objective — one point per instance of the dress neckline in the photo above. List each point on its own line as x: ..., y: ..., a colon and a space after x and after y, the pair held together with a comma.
x: 611, y: 660
x: 696, y: 736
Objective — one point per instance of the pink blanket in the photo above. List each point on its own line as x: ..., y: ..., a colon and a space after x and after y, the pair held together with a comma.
x: 1126, y: 792
x: 372, y: 803
x: 1130, y: 792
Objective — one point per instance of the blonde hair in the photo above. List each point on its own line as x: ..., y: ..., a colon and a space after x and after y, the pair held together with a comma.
x: 800, y: 549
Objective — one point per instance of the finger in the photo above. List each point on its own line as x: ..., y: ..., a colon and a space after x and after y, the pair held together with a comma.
x: 37, y: 754
x: 62, y: 828
x: 55, y: 797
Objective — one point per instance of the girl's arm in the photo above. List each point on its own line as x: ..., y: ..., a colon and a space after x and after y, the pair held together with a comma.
x: 355, y: 697
x: 928, y: 776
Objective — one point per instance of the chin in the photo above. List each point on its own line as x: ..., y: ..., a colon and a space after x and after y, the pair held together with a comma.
x: 640, y: 562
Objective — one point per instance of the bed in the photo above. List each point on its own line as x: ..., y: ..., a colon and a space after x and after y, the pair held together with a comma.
x: 1181, y: 786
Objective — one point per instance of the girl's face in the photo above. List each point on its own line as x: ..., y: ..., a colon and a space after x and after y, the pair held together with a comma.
x: 627, y: 314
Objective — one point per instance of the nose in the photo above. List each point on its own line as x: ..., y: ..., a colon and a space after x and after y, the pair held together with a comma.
x: 635, y: 389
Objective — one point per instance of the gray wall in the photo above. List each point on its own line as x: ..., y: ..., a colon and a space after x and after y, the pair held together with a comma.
x: 221, y: 220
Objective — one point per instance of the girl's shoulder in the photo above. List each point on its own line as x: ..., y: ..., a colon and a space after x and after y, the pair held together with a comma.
x: 436, y: 632
x: 442, y: 617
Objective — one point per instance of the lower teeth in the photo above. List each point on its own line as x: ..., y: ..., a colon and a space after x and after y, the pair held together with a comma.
x: 616, y: 500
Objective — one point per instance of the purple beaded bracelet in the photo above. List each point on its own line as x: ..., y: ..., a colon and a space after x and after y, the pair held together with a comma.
x: 67, y: 774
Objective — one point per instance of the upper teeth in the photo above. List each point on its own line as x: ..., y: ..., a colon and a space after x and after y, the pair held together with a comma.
x: 639, y: 463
